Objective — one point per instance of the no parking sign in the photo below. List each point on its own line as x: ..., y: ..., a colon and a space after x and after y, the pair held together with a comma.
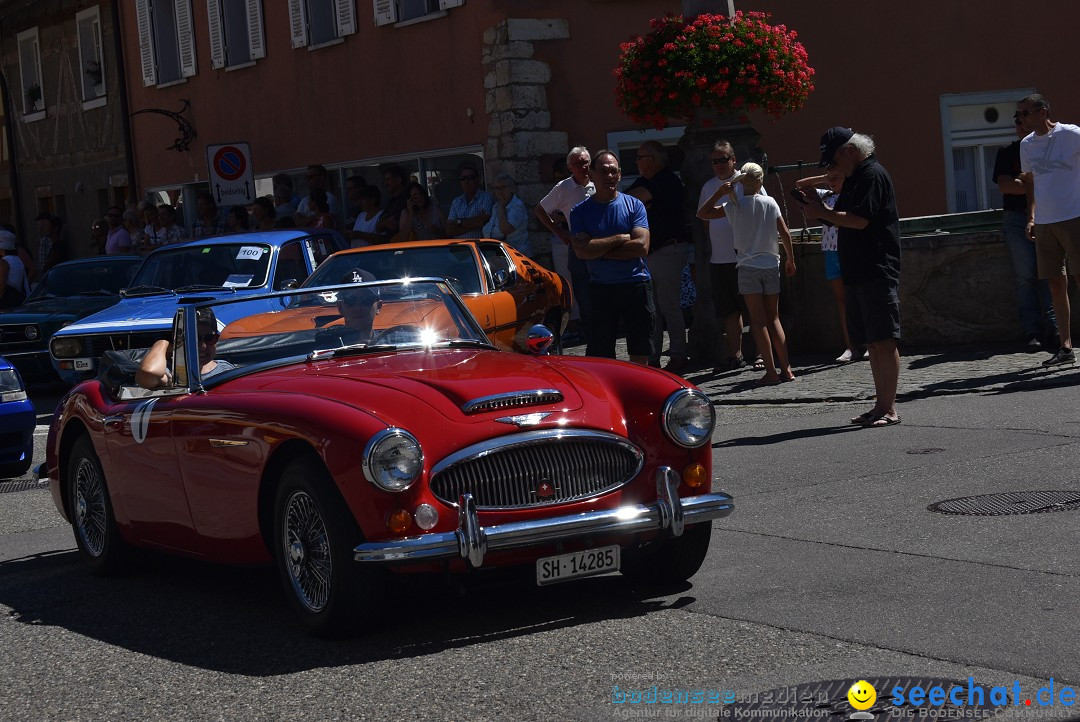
x: 232, y: 178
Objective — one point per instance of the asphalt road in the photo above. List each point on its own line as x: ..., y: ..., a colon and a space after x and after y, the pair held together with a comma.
x: 830, y: 568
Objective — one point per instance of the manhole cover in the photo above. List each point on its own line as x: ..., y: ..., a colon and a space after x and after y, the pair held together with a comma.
x: 1009, y: 503
x: 19, y: 485
x: 828, y: 701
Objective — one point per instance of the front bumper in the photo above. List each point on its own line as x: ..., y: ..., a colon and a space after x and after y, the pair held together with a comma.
x: 472, y: 542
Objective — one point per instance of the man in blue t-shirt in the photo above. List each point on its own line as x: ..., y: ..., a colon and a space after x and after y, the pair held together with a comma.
x: 611, y: 234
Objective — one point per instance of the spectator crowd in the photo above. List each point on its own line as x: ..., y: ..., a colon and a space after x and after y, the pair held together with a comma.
x: 628, y: 256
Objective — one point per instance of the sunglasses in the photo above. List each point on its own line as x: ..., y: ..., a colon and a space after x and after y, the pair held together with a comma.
x: 580, y: 164
x: 1025, y: 113
x: 722, y: 159
x: 209, y: 338
x: 468, y: 178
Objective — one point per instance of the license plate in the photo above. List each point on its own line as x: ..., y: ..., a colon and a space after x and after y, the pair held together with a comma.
x: 83, y: 364
x: 550, y: 570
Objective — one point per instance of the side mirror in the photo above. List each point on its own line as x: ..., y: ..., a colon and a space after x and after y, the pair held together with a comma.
x: 504, y: 278
x: 539, y: 340
x: 288, y: 284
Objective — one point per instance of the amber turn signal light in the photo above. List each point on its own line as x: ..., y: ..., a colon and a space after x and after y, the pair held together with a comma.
x: 398, y: 521
x: 695, y: 476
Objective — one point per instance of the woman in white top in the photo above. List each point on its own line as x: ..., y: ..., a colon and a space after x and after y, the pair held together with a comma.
x: 365, y: 230
x: 14, y: 285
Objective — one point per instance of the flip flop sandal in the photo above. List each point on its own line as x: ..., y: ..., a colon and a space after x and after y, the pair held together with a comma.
x: 881, y: 420
x: 863, y: 419
x: 759, y: 364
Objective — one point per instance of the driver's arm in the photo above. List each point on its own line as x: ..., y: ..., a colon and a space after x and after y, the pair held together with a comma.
x: 153, y: 372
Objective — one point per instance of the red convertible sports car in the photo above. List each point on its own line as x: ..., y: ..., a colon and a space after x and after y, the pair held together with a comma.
x: 387, y: 437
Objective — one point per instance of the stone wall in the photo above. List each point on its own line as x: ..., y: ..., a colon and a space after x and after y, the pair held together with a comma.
x: 519, y: 122
x: 954, y: 289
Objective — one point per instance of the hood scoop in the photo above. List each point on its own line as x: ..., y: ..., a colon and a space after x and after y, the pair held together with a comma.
x: 512, y: 400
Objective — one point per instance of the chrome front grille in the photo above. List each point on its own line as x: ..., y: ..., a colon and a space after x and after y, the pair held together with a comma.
x: 537, y: 468
x: 96, y: 345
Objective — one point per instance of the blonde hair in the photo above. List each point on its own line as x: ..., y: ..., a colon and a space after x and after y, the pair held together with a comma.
x: 753, y: 171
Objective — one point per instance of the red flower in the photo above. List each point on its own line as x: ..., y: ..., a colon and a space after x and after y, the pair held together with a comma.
x: 742, y: 64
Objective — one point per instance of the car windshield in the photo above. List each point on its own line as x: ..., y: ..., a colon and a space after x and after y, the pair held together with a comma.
x: 104, y: 277
x: 194, y: 266
x: 367, y: 318
x: 456, y: 262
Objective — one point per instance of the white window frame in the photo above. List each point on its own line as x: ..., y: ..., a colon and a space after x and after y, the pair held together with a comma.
x: 37, y: 110
x: 91, y: 96
x: 219, y: 50
x: 185, y: 42
x: 621, y: 140
x: 388, y: 12
x: 300, y: 25
x: 1001, y: 133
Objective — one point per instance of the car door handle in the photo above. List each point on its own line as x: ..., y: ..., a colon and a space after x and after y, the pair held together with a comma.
x: 113, y: 423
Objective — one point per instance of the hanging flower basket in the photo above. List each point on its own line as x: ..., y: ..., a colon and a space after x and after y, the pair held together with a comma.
x: 711, y: 62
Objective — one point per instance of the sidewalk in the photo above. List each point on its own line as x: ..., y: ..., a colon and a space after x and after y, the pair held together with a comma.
x: 923, y: 372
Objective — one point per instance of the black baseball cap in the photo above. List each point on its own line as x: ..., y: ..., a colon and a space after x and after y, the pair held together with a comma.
x: 833, y: 139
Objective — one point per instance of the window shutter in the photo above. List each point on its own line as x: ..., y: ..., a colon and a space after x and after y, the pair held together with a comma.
x: 217, y: 38
x: 185, y: 38
x: 447, y: 4
x: 256, y: 42
x: 346, y: 18
x: 385, y: 12
x: 146, y: 43
x: 297, y: 23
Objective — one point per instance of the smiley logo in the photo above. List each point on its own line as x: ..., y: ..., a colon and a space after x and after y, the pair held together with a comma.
x: 862, y: 695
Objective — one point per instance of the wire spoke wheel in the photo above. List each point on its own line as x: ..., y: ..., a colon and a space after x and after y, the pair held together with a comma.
x: 307, y: 551
x: 91, y: 516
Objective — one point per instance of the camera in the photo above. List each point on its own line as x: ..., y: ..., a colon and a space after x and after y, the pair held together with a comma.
x: 800, y: 195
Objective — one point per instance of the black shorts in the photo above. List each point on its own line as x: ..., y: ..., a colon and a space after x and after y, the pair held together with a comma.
x: 631, y: 303
x: 873, y: 311
x: 725, y: 289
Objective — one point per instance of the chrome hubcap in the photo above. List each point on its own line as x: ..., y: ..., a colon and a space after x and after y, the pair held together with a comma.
x: 90, y: 516
x: 307, y: 551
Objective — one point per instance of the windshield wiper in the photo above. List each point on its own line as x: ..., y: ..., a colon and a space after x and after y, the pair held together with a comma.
x: 144, y: 291
x: 204, y: 287
x: 357, y: 349
x: 467, y: 343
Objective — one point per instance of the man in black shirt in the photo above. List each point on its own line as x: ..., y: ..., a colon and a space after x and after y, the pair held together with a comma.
x: 869, y: 245
x: 1032, y: 294
x: 664, y: 196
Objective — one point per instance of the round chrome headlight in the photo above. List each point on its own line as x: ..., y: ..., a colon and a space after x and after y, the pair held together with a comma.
x: 66, y: 347
x: 31, y: 332
x: 393, y: 459
x: 688, y: 418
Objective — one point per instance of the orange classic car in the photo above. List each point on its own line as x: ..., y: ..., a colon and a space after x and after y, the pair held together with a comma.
x: 506, y: 291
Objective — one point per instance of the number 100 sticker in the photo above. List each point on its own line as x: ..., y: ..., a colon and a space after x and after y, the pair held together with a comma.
x: 254, y: 252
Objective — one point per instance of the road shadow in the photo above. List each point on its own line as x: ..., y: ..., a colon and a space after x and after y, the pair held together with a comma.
x: 237, y: 620
x: 788, y: 436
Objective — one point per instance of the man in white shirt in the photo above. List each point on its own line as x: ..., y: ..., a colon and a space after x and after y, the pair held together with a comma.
x: 727, y: 301
x: 554, y: 213
x: 317, y: 177
x: 1050, y: 162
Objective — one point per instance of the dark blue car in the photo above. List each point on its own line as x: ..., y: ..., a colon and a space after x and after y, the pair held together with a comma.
x: 17, y: 421
x: 233, y: 265
x: 66, y: 293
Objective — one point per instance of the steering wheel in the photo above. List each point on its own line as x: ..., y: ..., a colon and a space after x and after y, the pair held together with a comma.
x: 401, y: 328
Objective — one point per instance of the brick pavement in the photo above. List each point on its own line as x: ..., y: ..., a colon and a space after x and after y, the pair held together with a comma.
x: 923, y: 372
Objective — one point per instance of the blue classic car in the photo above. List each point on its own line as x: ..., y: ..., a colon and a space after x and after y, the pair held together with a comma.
x: 237, y: 264
x: 66, y: 293
x: 17, y: 421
